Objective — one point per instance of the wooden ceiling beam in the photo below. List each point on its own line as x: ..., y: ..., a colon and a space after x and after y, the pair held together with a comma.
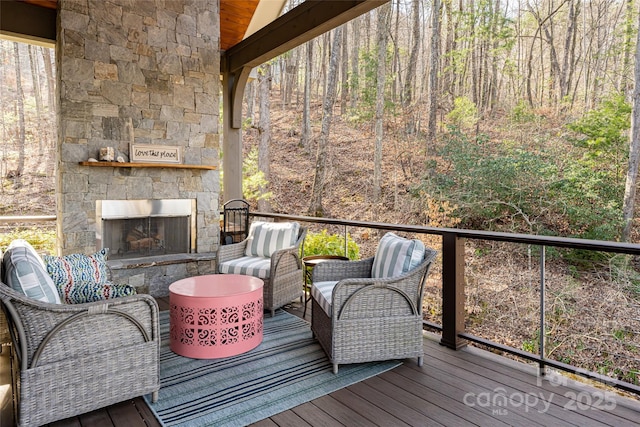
x: 301, y: 24
x: 21, y: 20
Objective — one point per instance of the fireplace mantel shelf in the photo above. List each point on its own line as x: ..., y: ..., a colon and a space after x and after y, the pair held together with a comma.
x: 147, y: 165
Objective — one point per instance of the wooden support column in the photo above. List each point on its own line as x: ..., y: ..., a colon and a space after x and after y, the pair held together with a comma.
x: 453, y: 296
x: 233, y: 85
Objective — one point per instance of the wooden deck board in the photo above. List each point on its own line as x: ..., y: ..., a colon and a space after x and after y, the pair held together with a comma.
x: 378, y: 409
x: 491, y: 372
x: 444, y: 391
x: 313, y: 415
x: 386, y: 396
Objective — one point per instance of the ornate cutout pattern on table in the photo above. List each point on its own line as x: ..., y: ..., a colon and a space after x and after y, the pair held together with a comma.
x: 211, y: 327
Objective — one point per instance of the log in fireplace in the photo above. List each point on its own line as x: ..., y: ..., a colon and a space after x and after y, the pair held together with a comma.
x: 143, y: 228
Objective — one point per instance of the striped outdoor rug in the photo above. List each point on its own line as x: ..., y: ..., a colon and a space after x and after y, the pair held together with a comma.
x: 289, y: 368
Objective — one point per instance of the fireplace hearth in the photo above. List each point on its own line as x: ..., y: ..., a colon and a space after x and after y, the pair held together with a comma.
x: 144, y: 228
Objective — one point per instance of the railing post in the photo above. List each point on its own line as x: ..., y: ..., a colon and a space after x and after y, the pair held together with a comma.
x: 346, y: 245
x: 543, y: 332
x: 452, y: 290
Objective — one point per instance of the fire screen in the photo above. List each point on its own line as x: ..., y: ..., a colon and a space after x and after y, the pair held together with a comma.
x: 140, y: 228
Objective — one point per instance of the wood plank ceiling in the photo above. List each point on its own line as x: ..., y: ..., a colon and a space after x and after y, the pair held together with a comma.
x: 235, y: 17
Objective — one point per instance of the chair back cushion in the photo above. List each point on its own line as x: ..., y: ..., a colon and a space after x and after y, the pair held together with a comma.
x: 24, y: 271
x: 265, y: 238
x: 396, y: 255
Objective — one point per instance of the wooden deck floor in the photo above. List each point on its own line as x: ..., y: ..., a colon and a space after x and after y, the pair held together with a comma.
x: 453, y: 388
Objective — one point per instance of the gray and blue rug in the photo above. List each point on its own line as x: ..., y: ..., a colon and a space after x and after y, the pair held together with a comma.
x: 288, y: 369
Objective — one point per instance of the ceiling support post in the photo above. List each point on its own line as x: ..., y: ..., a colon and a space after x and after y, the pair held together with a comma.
x: 233, y: 85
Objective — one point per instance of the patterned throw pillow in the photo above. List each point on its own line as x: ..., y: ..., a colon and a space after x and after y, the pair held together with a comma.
x: 82, y: 292
x: 83, y: 278
x: 68, y: 270
x: 24, y: 272
x: 265, y: 238
x: 396, y: 255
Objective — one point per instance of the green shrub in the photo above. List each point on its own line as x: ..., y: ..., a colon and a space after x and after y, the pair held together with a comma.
x: 42, y: 240
x: 503, y: 187
x: 522, y: 113
x: 253, y: 179
x: 464, y: 113
x: 329, y: 244
x: 604, y: 134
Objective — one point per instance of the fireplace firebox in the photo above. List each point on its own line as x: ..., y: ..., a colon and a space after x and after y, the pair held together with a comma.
x: 143, y: 228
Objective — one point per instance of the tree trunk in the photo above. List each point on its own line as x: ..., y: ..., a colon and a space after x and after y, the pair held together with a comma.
x: 51, y: 98
x: 344, y: 71
x: 250, y: 96
x: 20, y: 111
x: 634, y: 151
x: 355, y: 63
x: 433, y: 75
x: 410, y: 79
x: 626, y: 84
x: 315, y: 206
x: 383, y: 15
x: 264, y: 128
x: 305, y: 139
x: 33, y: 60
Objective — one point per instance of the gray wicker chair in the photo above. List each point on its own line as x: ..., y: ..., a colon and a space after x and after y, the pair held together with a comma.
x: 75, y: 358
x: 371, y: 319
x: 285, y: 281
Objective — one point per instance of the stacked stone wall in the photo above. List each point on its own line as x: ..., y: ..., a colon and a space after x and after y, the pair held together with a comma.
x: 143, y: 72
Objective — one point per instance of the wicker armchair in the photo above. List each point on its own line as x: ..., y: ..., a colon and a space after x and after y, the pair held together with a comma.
x: 370, y: 319
x: 75, y: 358
x: 281, y: 273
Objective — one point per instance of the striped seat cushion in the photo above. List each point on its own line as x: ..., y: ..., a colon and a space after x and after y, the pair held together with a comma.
x: 322, y: 292
x: 248, y: 265
x: 24, y: 272
x: 396, y: 255
x: 265, y: 238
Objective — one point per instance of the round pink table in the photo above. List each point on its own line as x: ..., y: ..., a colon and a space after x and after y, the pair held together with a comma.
x: 217, y: 315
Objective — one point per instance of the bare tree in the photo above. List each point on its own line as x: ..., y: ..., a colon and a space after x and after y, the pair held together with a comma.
x: 319, y: 181
x: 410, y: 80
x: 20, y: 112
x: 305, y: 139
x: 355, y: 63
x: 344, y: 71
x: 264, y: 129
x: 382, y: 24
x: 634, y: 151
x: 33, y: 60
x: 250, y: 99
x: 433, y: 73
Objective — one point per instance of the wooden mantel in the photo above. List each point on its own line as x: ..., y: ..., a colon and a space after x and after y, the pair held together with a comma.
x: 147, y: 165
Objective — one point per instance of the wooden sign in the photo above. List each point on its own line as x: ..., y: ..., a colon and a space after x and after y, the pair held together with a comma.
x: 144, y: 153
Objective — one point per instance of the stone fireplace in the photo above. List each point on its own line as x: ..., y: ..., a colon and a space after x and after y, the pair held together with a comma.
x: 139, y: 73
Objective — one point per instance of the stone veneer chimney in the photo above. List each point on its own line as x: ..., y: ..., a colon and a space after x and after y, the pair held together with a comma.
x: 144, y: 72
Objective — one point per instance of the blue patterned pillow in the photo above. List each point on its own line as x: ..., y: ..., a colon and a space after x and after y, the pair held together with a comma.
x: 82, y: 292
x: 396, y: 255
x: 24, y: 272
x: 265, y: 238
x: 68, y: 270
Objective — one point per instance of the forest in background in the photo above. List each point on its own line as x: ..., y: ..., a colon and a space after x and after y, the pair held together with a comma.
x: 522, y: 127
x: 498, y: 67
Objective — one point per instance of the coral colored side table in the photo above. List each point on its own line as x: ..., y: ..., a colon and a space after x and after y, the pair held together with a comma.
x: 214, y: 316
